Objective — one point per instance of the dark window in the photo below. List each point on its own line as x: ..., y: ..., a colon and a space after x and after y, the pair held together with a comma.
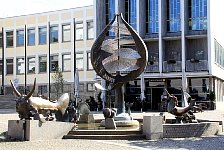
x: 54, y: 63
x: 9, y: 39
x: 9, y: 66
x: 43, y: 64
x: 1, y: 36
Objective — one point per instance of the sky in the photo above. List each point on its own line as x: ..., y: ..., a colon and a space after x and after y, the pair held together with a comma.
x: 11, y: 8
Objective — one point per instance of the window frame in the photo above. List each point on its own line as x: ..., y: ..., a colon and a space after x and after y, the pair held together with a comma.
x: 63, y: 33
x: 89, y: 61
x: 17, y: 65
x: 9, y: 64
x: 31, y: 35
x: 54, y: 55
x: 9, y: 37
x: 53, y: 34
x: 41, y: 61
x: 29, y: 62
x: 89, y: 28
x: 63, y: 62
x: 20, y: 37
x: 81, y: 28
x: 79, y: 53
x: 42, y: 34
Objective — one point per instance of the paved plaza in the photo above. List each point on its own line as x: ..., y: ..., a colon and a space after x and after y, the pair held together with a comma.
x: 203, y: 143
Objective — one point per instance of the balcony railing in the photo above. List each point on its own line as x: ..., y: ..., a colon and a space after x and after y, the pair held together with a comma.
x: 152, y: 67
x: 194, y: 66
x: 171, y: 66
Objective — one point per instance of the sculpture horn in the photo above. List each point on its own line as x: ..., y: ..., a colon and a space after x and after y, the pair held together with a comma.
x: 15, y: 90
x: 31, y: 92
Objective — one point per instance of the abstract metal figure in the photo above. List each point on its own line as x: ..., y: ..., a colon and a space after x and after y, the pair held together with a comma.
x: 28, y: 106
x: 183, y: 114
x: 115, y: 60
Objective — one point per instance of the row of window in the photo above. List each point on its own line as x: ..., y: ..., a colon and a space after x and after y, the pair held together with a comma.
x: 53, y: 33
x: 197, y: 14
x: 42, y: 63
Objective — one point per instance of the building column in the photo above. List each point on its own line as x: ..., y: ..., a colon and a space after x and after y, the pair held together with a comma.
x: 183, y: 48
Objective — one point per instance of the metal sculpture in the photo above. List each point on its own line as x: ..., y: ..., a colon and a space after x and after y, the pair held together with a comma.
x: 182, y: 114
x: 115, y: 60
x: 28, y: 106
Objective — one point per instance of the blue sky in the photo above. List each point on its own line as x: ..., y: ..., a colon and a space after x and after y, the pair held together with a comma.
x: 11, y: 8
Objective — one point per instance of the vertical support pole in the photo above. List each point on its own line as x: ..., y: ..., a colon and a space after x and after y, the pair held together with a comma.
x: 25, y: 60
x: 49, y: 60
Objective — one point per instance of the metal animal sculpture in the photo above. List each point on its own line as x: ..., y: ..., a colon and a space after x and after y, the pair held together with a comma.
x: 28, y: 106
x: 183, y: 114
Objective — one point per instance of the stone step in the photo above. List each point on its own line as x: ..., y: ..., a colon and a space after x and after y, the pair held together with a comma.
x: 107, y: 137
x: 105, y: 132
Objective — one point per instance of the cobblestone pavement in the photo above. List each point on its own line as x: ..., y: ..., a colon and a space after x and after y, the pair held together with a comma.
x: 204, y: 143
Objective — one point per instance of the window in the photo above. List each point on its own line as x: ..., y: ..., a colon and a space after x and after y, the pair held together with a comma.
x: 198, y: 14
x: 20, y: 66
x: 9, y: 39
x: 66, y: 33
x: 90, y: 87
x: 79, y: 31
x: 54, y: 34
x: 130, y: 13
x: 42, y: 35
x: 42, y: 89
x: 9, y: 66
x: 31, y: 36
x: 1, y: 67
x: 90, y: 31
x: 20, y: 37
x: 31, y: 64
x: 173, y: 15
x: 89, y: 64
x: 54, y: 63
x: 152, y: 15
x: 110, y: 12
x: 1, y: 36
x: 43, y: 64
x: 66, y: 62
x: 79, y: 61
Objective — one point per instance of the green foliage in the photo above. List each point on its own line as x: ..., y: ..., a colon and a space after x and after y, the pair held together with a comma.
x: 58, y: 81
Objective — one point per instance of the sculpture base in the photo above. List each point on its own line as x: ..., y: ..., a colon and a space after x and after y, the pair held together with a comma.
x: 86, y: 118
x: 35, y: 130
x: 122, y: 117
x: 110, y: 123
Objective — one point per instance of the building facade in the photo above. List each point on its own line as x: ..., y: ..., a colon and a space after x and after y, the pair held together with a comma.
x: 185, y: 44
x: 34, y: 46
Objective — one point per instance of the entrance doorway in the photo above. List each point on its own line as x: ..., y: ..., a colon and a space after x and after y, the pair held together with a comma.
x: 156, y: 98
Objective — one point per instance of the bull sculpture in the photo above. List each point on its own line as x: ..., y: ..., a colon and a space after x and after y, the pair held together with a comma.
x: 28, y: 106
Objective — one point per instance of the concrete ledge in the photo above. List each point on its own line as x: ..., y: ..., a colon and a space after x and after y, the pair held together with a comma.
x: 190, y: 130
x: 36, y: 130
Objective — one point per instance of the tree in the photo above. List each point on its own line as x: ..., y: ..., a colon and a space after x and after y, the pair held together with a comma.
x: 58, y: 81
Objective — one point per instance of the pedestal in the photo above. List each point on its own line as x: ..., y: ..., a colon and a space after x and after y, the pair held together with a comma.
x: 86, y: 118
x: 153, y: 127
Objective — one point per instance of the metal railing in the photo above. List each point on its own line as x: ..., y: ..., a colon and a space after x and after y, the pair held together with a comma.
x: 201, y: 65
x: 172, y: 67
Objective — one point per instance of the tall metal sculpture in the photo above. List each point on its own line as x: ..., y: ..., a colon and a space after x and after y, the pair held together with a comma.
x: 119, y: 59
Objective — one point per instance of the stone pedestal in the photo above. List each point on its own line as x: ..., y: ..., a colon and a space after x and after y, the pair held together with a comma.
x: 84, y: 118
x: 35, y: 130
x: 110, y: 124
x: 153, y: 127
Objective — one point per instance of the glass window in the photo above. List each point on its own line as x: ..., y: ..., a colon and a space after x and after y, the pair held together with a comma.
x: 79, y: 61
x: 110, y: 12
x: 31, y: 36
x: 79, y: 31
x: 42, y: 35
x: 132, y: 14
x: 20, y: 37
x: 90, y: 67
x: 66, y: 62
x: 152, y: 15
x: 198, y: 14
x: 54, y: 63
x: 90, y: 30
x: 31, y: 64
x: 43, y: 64
x: 1, y: 36
x: 9, y: 39
x: 9, y: 66
x: 173, y: 16
x: 20, y: 66
x: 42, y: 89
x: 54, y: 34
x: 66, y: 33
x: 1, y: 67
